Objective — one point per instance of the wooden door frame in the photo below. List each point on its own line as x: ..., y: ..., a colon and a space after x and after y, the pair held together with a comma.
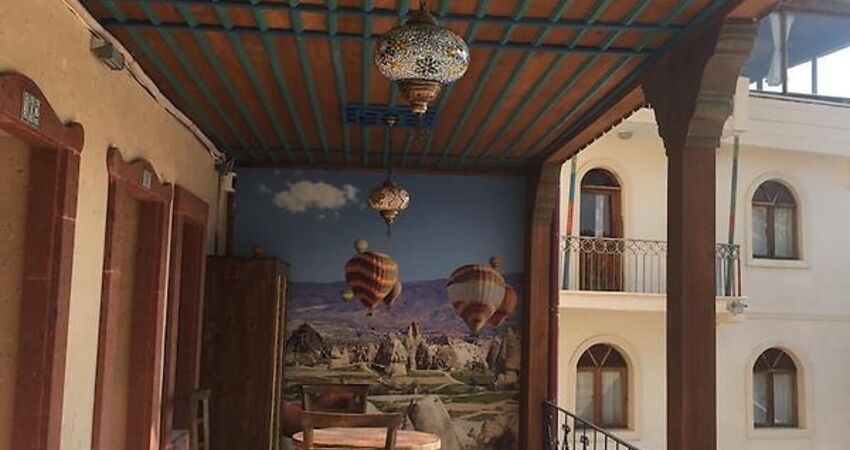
x: 130, y: 181
x: 49, y: 250
x: 189, y: 211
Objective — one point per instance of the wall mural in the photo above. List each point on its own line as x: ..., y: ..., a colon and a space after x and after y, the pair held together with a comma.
x: 428, y: 316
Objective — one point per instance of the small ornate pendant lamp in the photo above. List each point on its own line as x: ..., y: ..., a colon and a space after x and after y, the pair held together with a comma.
x: 389, y: 199
x: 421, y: 56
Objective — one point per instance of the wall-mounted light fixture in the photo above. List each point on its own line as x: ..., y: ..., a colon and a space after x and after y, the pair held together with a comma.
x: 107, y: 53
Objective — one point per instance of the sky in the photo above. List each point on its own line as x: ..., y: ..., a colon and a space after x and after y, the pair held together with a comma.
x: 311, y: 219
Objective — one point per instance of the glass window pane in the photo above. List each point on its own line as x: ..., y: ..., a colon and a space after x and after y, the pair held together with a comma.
x: 783, y: 219
x: 800, y: 78
x: 832, y: 74
x: 760, y: 231
x: 760, y: 398
x: 612, y: 398
x: 584, y: 395
x: 587, y: 217
x: 783, y: 399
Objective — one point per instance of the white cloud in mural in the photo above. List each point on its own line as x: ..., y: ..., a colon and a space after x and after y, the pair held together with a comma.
x: 264, y: 189
x: 304, y: 195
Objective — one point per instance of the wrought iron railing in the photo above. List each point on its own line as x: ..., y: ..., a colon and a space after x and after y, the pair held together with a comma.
x: 563, y: 430
x: 635, y: 265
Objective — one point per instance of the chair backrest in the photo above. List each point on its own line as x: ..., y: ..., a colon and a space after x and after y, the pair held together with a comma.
x: 340, y: 398
x: 317, y: 420
x: 200, y: 420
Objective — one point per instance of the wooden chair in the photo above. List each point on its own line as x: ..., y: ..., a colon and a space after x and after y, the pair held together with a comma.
x: 337, y: 398
x: 200, y: 420
x: 317, y: 420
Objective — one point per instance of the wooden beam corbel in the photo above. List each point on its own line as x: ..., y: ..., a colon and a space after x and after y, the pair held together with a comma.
x: 691, y: 92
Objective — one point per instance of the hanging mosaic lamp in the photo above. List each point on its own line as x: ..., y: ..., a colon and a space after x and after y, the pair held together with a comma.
x: 421, y: 56
x: 389, y: 199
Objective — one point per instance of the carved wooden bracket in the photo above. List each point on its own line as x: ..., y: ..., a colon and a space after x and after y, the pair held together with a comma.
x: 691, y: 90
x: 546, y: 192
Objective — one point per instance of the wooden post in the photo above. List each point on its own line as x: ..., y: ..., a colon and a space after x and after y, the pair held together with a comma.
x: 536, y: 357
x: 691, y: 93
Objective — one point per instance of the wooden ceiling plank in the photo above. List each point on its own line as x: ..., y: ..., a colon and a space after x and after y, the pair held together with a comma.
x: 250, y: 70
x: 307, y: 69
x: 282, y: 84
x: 518, y: 112
x: 519, y: 11
x: 353, y: 11
x: 647, y: 38
x: 480, y: 11
x: 366, y: 76
x: 628, y: 84
x: 215, y: 63
x: 183, y: 59
x: 597, y: 11
x: 557, y: 13
x: 199, y: 114
x: 339, y: 80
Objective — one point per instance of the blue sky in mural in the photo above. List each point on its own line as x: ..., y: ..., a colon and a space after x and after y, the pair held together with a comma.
x: 311, y: 219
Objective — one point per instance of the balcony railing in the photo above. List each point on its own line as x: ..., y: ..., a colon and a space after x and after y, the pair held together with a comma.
x: 636, y: 265
x: 564, y: 430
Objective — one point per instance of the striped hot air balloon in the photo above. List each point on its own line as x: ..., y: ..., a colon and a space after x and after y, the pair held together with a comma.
x: 506, y: 308
x: 372, y: 277
x: 476, y: 292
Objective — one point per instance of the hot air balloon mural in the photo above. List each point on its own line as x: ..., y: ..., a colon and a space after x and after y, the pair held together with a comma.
x: 480, y: 295
x: 371, y: 277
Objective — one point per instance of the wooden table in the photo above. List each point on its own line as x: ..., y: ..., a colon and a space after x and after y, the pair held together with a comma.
x: 369, y: 438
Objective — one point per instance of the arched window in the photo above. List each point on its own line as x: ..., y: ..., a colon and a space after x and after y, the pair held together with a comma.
x: 774, y: 222
x: 602, y: 387
x: 775, y: 390
x: 600, y: 205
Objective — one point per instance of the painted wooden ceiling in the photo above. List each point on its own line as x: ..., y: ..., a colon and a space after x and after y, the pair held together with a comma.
x: 291, y: 83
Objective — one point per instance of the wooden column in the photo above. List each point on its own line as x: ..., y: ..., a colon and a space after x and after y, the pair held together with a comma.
x: 536, y: 357
x: 691, y: 93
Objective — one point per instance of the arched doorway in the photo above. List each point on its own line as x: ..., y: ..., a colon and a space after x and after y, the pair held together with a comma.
x: 600, y: 228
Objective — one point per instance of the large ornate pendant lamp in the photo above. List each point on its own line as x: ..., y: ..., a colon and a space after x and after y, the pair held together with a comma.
x: 421, y: 56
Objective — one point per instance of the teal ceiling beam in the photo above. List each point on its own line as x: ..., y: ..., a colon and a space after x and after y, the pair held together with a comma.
x: 307, y: 71
x: 519, y: 11
x: 250, y: 70
x: 366, y: 76
x: 301, y: 34
x: 627, y: 84
x: 339, y: 81
x: 480, y: 10
x: 214, y: 61
x: 557, y: 12
x: 282, y: 84
x: 444, y: 17
x: 177, y: 50
x: 166, y: 72
x: 599, y: 83
x: 553, y: 100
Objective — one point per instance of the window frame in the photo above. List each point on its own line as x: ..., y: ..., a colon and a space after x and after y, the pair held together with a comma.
x: 597, y: 397
x: 770, y: 223
x: 771, y: 372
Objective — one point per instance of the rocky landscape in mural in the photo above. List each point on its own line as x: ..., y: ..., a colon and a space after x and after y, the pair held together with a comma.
x: 418, y: 348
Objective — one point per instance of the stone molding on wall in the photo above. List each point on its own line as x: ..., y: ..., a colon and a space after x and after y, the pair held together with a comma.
x: 26, y: 114
x: 129, y: 182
